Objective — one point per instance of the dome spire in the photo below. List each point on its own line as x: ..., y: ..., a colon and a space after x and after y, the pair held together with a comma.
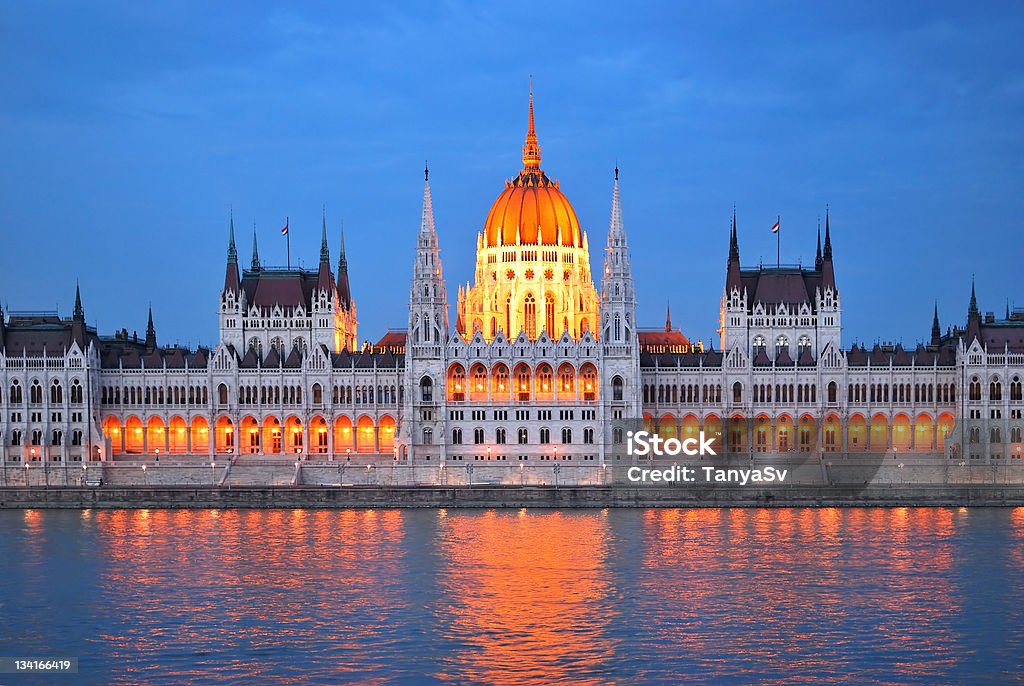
x: 531, y: 149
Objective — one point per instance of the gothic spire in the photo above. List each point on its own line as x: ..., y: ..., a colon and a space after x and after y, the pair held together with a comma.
x: 668, y: 317
x: 734, y: 245
x: 427, y: 217
x: 342, y: 259
x: 344, y: 291
x: 231, y: 280
x: 255, y: 250
x: 936, y: 331
x: 828, y: 275
x: 616, y: 231
x: 817, y: 256
x: 79, y: 313
x: 232, y: 253
x: 827, y: 254
x: 972, y: 308
x: 973, y: 317
x: 150, y: 332
x: 531, y: 149
x: 325, y: 254
x: 733, y: 280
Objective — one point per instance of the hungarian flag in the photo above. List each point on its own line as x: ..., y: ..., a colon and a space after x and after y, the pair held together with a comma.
x: 775, y: 227
x: 284, y: 231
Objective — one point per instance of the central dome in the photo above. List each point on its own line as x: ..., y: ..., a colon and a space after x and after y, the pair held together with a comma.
x: 532, y: 205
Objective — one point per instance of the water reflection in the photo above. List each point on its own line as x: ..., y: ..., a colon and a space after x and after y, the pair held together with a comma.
x: 528, y: 595
x: 498, y: 597
x: 777, y: 593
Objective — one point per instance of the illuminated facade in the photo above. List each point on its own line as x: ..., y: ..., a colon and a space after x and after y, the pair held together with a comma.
x: 538, y: 367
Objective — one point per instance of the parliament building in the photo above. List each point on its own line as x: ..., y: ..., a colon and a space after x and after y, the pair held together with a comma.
x: 545, y: 362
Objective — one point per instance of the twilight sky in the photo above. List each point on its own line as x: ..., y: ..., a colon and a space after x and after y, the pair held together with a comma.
x: 129, y: 129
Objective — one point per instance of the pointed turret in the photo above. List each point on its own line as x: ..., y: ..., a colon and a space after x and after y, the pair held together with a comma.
x: 732, y: 278
x: 817, y: 255
x: 428, y: 301
x: 255, y: 250
x: 77, y: 320
x: 79, y: 313
x: 668, y: 318
x: 344, y: 290
x: 973, y: 317
x: 150, y: 332
x: 231, y: 280
x: 828, y: 276
x: 325, y: 280
x: 617, y: 292
x: 936, y: 331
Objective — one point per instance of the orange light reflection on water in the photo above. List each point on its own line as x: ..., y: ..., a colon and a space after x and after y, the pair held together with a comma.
x: 528, y: 596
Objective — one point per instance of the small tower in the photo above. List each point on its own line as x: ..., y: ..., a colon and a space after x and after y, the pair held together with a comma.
x: 255, y: 251
x: 619, y: 341
x: 828, y: 304
x: 345, y: 316
x: 150, y: 332
x: 426, y: 340
x: 732, y: 320
x: 973, y: 318
x: 77, y: 321
x: 936, y: 331
x: 232, y: 299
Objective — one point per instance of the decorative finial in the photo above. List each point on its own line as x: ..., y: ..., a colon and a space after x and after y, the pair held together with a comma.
x: 426, y: 171
x: 616, y: 170
x: 531, y: 149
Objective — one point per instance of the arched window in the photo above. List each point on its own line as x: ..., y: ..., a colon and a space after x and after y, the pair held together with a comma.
x: 456, y: 436
x: 832, y: 391
x: 781, y: 345
x: 759, y: 345
x: 567, y: 435
x: 318, y: 394
x: 35, y: 393
x: 428, y: 436
x: 530, y: 315
x: 15, y: 396
x: 549, y: 315
x: 427, y: 389
x: 804, y: 343
x: 499, y: 436
x: 617, y: 388
x: 222, y: 394
x: 56, y: 393
x: 737, y: 392
x: 524, y: 436
x: 618, y: 328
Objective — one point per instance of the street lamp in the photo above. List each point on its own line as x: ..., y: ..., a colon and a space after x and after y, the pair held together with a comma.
x: 27, y: 482
x: 145, y: 481
x: 85, y: 471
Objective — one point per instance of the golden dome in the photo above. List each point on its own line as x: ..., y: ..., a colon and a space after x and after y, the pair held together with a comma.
x: 531, y: 204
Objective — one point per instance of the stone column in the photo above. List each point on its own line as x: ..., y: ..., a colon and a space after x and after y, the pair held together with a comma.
x: 188, y: 439
x: 330, y: 440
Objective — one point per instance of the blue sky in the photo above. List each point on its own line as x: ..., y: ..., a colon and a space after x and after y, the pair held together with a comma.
x: 128, y: 130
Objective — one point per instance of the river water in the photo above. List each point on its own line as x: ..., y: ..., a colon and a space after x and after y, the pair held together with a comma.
x: 718, y: 596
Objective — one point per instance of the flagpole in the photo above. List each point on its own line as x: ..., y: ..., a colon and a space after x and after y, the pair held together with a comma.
x: 778, y: 242
x: 288, y: 240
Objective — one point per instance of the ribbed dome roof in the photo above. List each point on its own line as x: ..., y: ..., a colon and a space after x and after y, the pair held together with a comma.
x: 531, y: 204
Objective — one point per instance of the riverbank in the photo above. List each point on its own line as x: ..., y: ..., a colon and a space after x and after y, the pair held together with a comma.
x: 188, y: 497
